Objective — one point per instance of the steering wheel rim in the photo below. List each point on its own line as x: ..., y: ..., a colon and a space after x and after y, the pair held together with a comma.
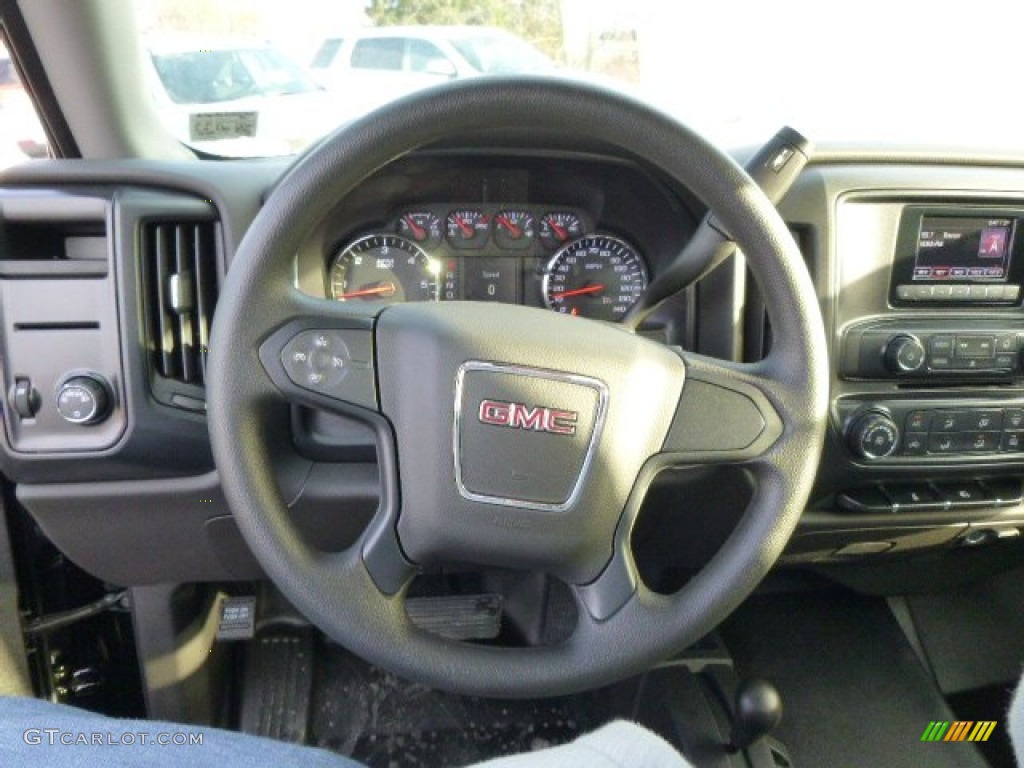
x: 356, y: 596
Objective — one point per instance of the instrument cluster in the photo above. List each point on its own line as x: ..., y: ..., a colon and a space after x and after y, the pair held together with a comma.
x: 548, y: 256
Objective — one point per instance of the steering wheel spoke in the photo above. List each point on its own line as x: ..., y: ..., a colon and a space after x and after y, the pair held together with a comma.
x: 727, y: 413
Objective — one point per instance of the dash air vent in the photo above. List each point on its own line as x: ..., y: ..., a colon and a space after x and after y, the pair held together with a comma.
x: 179, y: 269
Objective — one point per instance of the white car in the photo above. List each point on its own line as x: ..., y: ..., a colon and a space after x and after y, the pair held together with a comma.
x: 376, y: 65
x: 238, y: 97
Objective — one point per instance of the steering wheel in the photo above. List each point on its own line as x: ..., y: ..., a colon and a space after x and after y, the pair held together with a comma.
x: 508, y: 436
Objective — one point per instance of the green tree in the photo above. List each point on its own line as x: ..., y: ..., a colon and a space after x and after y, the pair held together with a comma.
x: 537, y: 21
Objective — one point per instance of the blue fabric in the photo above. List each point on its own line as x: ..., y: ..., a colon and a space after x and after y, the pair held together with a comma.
x: 37, y: 733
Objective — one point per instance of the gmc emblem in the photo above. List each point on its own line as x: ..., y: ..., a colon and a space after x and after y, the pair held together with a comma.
x: 535, y: 418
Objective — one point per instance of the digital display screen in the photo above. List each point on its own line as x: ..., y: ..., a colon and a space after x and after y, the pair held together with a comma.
x: 491, y: 278
x: 481, y: 278
x: 963, y: 249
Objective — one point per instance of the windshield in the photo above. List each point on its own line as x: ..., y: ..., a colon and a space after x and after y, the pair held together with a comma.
x: 734, y: 70
x: 498, y: 55
x: 209, y: 76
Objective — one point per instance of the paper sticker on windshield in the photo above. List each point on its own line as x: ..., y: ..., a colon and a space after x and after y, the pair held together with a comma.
x: 215, y: 126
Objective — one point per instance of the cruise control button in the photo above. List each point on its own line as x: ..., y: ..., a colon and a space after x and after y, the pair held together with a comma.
x: 335, y: 363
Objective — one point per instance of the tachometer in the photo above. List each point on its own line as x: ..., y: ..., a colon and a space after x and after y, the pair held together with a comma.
x: 384, y: 268
x: 598, y: 276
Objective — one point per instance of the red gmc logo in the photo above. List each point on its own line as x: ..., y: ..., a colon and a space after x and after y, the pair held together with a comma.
x: 534, y: 418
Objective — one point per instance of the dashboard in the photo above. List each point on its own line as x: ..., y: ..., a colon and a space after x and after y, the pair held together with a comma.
x: 918, y: 266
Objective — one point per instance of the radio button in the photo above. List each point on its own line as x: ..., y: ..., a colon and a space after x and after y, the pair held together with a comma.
x: 1011, y: 292
x: 995, y: 292
x: 960, y: 292
x: 941, y: 345
x: 1007, y: 362
x: 978, y: 292
x: 944, y: 421
x: 1014, y: 418
x: 972, y: 363
x: 1013, y: 442
x: 921, y: 292
x: 1006, y: 343
x: 942, y: 292
x: 905, y: 292
x: 975, y: 346
x: 940, y: 363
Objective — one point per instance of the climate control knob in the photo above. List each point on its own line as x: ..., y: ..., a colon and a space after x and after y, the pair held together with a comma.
x: 904, y: 354
x: 83, y: 399
x: 872, y: 435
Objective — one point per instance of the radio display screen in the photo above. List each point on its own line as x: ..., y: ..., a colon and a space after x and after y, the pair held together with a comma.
x: 963, y: 249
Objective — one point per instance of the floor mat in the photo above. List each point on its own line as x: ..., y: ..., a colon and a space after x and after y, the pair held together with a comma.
x: 383, y: 720
x: 853, y: 691
x: 989, y: 703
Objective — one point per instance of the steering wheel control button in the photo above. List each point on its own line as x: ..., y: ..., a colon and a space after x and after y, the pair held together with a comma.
x: 83, y: 400
x: 335, y: 363
x: 873, y: 435
x: 525, y: 437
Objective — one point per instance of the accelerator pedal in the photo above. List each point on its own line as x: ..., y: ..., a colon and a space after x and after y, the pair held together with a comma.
x: 278, y: 684
x: 457, y: 617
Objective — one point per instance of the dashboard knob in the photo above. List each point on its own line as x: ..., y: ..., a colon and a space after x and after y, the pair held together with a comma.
x: 904, y: 354
x: 84, y: 399
x: 872, y: 435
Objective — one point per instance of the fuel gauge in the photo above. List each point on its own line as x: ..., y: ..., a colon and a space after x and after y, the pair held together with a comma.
x: 422, y: 227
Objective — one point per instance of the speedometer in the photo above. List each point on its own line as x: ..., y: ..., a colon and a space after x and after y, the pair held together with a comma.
x: 384, y: 268
x: 598, y: 276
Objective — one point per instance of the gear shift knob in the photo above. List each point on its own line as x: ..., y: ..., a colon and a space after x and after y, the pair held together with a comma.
x: 757, y: 711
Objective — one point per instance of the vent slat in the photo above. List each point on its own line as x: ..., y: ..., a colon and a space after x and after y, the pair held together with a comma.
x: 186, y: 335
x: 167, y: 341
x: 205, y: 291
x: 180, y: 271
